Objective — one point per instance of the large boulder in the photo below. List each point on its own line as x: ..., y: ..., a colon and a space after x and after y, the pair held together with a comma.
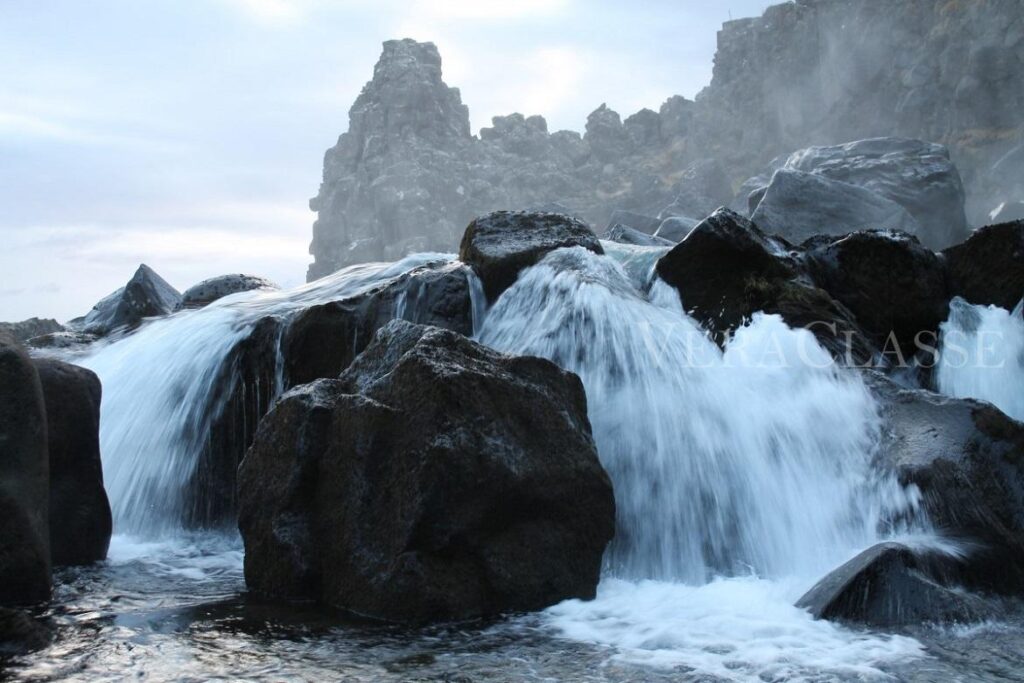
x: 80, y: 522
x: 323, y: 339
x: 890, y: 585
x: 435, y: 479
x: 211, y: 289
x: 917, y: 175
x: 24, y: 480
x: 146, y: 295
x: 33, y: 327
x: 501, y: 244
x: 988, y: 268
x: 967, y: 458
x: 892, y: 284
x: 799, y: 205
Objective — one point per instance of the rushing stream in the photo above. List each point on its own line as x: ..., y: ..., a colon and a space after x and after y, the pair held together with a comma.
x: 741, y: 477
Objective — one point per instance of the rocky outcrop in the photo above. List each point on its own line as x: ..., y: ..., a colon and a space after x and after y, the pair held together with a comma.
x: 501, y: 244
x: 146, y: 295
x: 967, y: 458
x: 798, y: 206
x: 24, y: 480
x: 209, y: 290
x: 33, y: 327
x: 80, y: 522
x: 434, y: 480
x: 989, y: 267
x: 889, y: 585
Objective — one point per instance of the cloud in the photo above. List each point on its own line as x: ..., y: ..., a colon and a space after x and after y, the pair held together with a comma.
x: 272, y: 12
x: 488, y: 10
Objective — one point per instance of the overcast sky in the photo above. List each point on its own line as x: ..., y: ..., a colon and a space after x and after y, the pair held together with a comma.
x: 189, y: 134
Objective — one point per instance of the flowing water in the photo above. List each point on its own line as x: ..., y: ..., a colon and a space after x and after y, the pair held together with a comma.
x: 741, y: 475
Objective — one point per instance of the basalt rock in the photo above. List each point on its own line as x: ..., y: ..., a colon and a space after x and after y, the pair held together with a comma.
x: 80, y: 522
x: 24, y: 480
x: 501, y: 244
x: 435, y: 480
x: 989, y: 267
x: 208, y: 291
x: 146, y: 295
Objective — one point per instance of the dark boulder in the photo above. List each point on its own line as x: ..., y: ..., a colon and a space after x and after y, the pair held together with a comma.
x: 208, y: 291
x: 20, y: 633
x: 626, y: 235
x: 322, y: 340
x: 674, y: 228
x: 24, y: 480
x: 501, y: 244
x: 80, y: 522
x: 888, y: 585
x: 989, y: 267
x: 435, y: 480
x: 967, y: 458
x: 798, y: 205
x: 33, y: 327
x: 891, y: 283
x: 634, y: 221
x: 146, y: 295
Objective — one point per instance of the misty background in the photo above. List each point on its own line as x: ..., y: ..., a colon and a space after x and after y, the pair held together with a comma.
x: 189, y: 135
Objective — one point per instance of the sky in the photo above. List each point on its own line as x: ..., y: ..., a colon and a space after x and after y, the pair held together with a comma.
x: 189, y: 134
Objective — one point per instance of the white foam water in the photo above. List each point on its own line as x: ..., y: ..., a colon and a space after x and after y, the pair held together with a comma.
x: 981, y: 355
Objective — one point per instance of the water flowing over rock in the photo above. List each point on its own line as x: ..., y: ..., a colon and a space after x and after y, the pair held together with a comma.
x: 214, y: 288
x: 24, y: 480
x: 501, y: 244
x: 435, y: 479
x: 989, y: 267
x: 80, y: 522
x: 146, y: 295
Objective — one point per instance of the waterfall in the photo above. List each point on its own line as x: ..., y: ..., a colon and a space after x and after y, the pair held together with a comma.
x: 981, y: 355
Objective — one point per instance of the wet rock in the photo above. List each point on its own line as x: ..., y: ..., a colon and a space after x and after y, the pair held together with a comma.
x: 33, y: 327
x: 634, y: 221
x: 967, y: 458
x: 146, y: 295
x: 214, y: 288
x: 435, y: 480
x: 501, y: 244
x: 66, y: 339
x: 891, y: 283
x: 24, y: 480
x: 1007, y: 212
x: 322, y: 340
x: 888, y: 585
x: 20, y: 633
x: 675, y: 228
x: 989, y: 267
x: 799, y: 205
x: 917, y: 175
x: 80, y: 521
x: 625, y: 235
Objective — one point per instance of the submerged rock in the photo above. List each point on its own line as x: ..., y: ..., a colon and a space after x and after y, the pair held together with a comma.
x: 80, y: 522
x: 33, y: 327
x: 435, y: 480
x: 799, y: 205
x: 967, y: 458
x: 24, y: 480
x: 988, y: 268
x: 501, y: 244
x: 146, y: 295
x: 209, y: 290
x: 888, y: 585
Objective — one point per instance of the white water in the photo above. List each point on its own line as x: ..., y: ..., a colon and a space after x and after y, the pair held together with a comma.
x: 982, y: 355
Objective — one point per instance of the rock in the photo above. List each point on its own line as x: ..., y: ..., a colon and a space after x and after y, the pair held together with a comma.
x: 322, y: 340
x: 799, y: 205
x: 702, y: 187
x: 675, y: 228
x: 146, y: 295
x: 890, y: 283
x: 625, y: 235
x: 80, y: 522
x: 989, y: 267
x: 24, y: 480
x: 634, y: 221
x: 888, y: 585
x: 917, y: 175
x: 33, y: 327
x: 66, y: 339
x: 20, y: 633
x: 1004, y: 213
x: 214, y: 288
x: 435, y: 480
x: 501, y: 244
x: 967, y: 458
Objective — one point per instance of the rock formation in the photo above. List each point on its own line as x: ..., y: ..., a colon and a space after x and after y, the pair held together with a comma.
x: 33, y: 327
x: 146, y: 295
x: 209, y: 290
